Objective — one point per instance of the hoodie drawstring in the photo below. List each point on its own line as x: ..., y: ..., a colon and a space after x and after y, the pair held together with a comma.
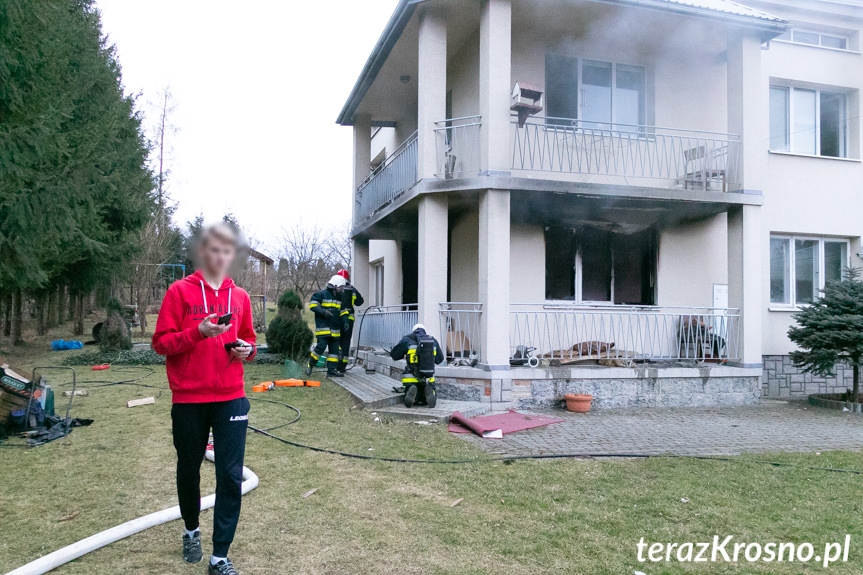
x: 204, y: 294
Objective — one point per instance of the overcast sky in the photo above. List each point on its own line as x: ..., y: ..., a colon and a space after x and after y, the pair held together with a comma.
x: 257, y: 87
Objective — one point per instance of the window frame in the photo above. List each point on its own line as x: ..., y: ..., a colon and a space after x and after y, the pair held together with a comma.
x: 788, y: 37
x: 581, y: 97
x: 378, y: 273
x: 792, y: 263
x: 789, y: 120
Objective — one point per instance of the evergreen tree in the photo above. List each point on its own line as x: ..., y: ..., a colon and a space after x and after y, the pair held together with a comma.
x: 831, y: 330
x: 288, y: 334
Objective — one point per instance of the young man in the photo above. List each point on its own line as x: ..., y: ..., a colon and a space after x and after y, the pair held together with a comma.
x: 326, y: 305
x: 205, y: 331
x: 422, y: 353
x: 351, y: 298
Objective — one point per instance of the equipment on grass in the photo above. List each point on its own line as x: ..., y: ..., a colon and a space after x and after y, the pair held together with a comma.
x: 271, y: 385
x: 101, y: 367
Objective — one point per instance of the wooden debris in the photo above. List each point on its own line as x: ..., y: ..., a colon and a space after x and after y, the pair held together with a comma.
x: 309, y: 492
x: 456, y: 502
x: 78, y: 393
x: 69, y: 517
x: 142, y: 401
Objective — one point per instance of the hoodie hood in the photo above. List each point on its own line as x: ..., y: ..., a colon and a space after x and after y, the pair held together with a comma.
x: 197, y: 277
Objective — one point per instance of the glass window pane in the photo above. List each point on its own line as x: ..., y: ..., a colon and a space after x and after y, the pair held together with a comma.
x: 803, y: 118
x: 559, y: 264
x: 834, y: 42
x: 832, y: 124
x: 595, y: 265
x: 629, y: 96
x: 835, y: 260
x: 806, y: 37
x: 596, y: 103
x: 779, y: 118
x: 780, y: 271
x: 633, y: 268
x: 561, y: 85
x: 806, y: 268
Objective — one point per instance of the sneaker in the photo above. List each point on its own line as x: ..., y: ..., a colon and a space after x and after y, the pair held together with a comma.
x: 431, y: 396
x: 410, y: 396
x: 192, y: 548
x: 222, y: 568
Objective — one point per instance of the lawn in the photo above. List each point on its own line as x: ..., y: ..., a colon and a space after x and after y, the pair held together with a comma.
x: 572, y: 516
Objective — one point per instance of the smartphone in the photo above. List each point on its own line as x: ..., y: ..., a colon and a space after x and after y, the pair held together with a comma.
x: 225, y: 319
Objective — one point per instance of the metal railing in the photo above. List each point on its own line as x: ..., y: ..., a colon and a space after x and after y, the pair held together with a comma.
x: 460, y: 330
x: 569, y: 333
x: 388, y: 181
x: 381, y: 327
x: 458, y: 146
x: 626, y: 153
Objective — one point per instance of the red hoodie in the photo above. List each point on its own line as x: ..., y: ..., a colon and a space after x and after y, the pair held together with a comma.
x: 200, y: 370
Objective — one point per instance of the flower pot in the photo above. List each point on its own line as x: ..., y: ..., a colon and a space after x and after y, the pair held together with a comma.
x: 578, y: 402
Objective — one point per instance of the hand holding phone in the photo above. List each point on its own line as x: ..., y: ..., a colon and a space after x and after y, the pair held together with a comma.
x: 225, y: 319
x: 210, y: 329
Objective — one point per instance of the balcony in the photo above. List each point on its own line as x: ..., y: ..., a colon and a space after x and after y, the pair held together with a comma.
x: 387, y: 182
x: 625, y: 154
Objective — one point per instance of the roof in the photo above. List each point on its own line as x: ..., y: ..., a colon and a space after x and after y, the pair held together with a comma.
x: 255, y: 254
x: 726, y: 10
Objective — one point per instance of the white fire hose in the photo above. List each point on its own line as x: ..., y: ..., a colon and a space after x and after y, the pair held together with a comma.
x: 99, y: 540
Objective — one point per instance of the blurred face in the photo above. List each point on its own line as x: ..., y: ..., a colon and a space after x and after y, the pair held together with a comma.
x: 216, y: 256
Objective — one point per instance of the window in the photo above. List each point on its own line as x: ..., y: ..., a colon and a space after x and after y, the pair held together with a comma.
x: 810, y: 122
x: 379, y: 283
x: 800, y: 267
x: 598, y: 93
x: 812, y: 38
x: 599, y: 266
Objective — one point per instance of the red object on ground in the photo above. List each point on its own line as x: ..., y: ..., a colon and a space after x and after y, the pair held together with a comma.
x: 101, y: 367
x: 508, y: 422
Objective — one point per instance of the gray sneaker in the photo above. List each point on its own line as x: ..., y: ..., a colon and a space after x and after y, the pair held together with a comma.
x: 192, y: 548
x: 222, y: 568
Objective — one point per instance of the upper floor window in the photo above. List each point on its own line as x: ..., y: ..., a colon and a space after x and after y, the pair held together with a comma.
x: 813, y: 38
x: 806, y: 121
x: 801, y: 266
x: 598, y: 93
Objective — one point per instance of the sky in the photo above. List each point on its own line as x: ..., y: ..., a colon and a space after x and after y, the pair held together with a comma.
x: 256, y: 87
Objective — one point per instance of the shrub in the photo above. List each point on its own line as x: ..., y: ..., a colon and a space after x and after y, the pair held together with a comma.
x: 114, y: 335
x: 288, y: 334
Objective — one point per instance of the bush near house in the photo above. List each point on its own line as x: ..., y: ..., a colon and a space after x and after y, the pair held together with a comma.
x: 289, y: 334
x: 831, y: 330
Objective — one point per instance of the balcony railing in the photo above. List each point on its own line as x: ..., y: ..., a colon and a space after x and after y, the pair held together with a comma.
x: 569, y: 333
x: 389, y: 180
x: 458, y: 146
x: 460, y: 328
x: 626, y: 154
x: 381, y: 327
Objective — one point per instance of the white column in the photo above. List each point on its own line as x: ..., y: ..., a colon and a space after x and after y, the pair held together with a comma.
x: 495, y: 49
x: 745, y: 249
x: 360, y: 267
x: 431, y: 86
x: 432, y: 233
x: 494, y: 208
x: 362, y: 148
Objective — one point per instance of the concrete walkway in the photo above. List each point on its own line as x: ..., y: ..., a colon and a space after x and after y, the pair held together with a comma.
x: 772, y: 426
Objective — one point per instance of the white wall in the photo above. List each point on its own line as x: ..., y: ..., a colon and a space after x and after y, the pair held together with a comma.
x: 692, y: 258
x: 389, y: 252
x: 527, y: 263
x: 464, y: 257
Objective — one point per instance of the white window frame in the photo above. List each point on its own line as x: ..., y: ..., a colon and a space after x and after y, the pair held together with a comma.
x: 788, y: 37
x: 792, y: 275
x: 789, y: 119
x: 378, y: 273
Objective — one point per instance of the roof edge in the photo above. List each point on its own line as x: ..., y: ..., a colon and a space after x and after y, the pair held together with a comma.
x: 391, y: 34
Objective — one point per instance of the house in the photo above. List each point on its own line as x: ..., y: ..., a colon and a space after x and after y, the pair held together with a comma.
x: 627, y: 198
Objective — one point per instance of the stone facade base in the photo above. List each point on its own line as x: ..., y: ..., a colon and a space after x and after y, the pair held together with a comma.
x: 611, y: 387
x: 781, y: 379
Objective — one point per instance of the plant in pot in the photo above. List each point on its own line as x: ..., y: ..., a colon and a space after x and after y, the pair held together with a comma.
x: 578, y: 402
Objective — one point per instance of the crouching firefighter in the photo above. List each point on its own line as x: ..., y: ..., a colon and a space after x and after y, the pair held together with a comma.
x: 351, y: 298
x: 326, y: 305
x: 421, y: 353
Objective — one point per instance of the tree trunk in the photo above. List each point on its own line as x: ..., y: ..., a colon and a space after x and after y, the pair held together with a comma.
x: 17, y: 317
x: 51, y: 310
x: 71, y: 306
x: 855, y: 393
x: 7, y: 314
x: 61, y: 304
x: 40, y: 313
x: 79, y: 314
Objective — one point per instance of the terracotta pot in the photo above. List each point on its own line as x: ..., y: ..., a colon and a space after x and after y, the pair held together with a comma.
x: 578, y: 402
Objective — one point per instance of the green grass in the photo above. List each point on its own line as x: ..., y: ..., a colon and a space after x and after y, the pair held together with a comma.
x: 573, y: 517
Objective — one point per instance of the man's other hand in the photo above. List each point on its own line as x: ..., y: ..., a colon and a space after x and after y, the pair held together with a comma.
x: 210, y: 329
x: 242, y: 352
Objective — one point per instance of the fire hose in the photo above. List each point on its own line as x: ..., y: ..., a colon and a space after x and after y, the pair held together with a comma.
x: 99, y: 540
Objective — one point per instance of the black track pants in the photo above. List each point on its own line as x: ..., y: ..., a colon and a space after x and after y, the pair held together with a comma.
x: 192, y: 423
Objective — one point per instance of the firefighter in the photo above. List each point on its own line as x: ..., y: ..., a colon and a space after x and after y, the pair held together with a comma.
x: 421, y: 353
x: 326, y: 305
x: 351, y: 298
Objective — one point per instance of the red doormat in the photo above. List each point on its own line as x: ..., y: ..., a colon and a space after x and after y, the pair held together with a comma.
x: 494, y: 426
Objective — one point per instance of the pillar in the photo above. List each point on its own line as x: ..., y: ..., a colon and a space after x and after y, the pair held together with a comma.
x: 495, y: 49
x: 432, y: 235
x: 431, y: 86
x: 360, y: 267
x: 745, y: 249
x: 494, y: 218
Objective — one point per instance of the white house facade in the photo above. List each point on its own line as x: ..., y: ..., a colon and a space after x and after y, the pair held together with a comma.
x: 627, y: 198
